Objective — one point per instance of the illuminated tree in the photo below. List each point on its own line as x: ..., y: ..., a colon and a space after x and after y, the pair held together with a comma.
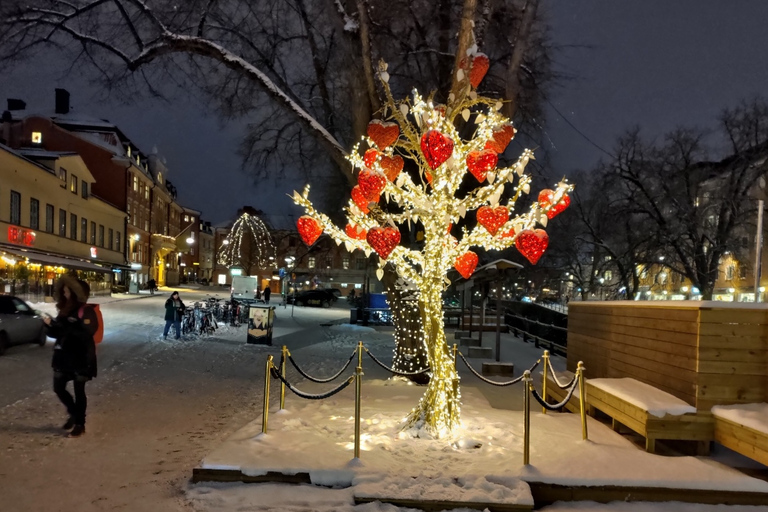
x: 428, y: 136
x: 248, y: 244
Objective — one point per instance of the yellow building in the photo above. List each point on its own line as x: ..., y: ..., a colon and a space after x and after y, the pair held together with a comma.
x: 50, y: 224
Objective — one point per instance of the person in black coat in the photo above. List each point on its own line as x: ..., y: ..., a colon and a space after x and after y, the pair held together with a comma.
x: 74, y: 353
x: 174, y: 311
x: 266, y: 294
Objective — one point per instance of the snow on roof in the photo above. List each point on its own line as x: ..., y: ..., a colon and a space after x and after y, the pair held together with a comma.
x: 82, y: 120
x: 43, y: 153
x: 754, y: 416
x: 657, y: 402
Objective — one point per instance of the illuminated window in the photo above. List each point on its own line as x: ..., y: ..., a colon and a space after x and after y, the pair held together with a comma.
x: 345, y: 264
x: 73, y: 184
x: 146, y: 192
x: 311, y: 263
x: 63, y: 176
x: 37, y: 138
x: 128, y: 149
x: 730, y: 270
x: 135, y: 183
x: 608, y: 275
x: 186, y: 218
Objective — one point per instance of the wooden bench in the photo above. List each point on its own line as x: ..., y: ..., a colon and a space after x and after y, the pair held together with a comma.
x: 652, y: 413
x: 555, y: 395
x: 744, y: 429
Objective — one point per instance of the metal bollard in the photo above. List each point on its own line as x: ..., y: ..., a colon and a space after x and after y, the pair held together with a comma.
x: 527, y: 422
x: 544, y: 384
x: 455, y: 354
x: 265, y: 413
x: 582, y: 400
x: 358, y: 396
x: 286, y: 353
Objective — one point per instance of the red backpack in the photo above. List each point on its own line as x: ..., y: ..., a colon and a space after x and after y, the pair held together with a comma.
x: 99, y: 334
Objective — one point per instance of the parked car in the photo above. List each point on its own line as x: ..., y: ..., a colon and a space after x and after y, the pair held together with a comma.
x: 335, y: 291
x: 321, y: 298
x: 19, y: 323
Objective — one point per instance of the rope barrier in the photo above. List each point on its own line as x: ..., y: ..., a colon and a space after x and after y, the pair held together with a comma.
x: 557, y: 381
x: 311, y: 396
x: 553, y: 407
x: 321, y: 381
x: 493, y: 382
x: 396, y: 372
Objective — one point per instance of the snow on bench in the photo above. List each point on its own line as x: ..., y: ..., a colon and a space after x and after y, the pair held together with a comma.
x: 658, y: 403
x: 744, y: 429
x: 650, y: 412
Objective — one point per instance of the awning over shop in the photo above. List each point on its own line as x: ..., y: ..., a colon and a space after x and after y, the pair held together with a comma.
x: 55, y: 260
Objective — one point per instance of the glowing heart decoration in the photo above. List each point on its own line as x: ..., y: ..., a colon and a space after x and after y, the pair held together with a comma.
x: 500, y: 139
x: 480, y: 162
x: 546, y: 197
x: 360, y: 199
x: 355, y: 231
x: 383, y: 240
x: 383, y: 134
x: 392, y: 165
x: 437, y: 148
x: 371, y: 183
x: 466, y: 264
x: 480, y: 65
x: 309, y: 229
x: 532, y: 244
x: 370, y: 157
x: 492, y: 218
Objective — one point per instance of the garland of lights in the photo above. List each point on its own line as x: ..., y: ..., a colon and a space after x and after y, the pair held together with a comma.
x: 425, y: 133
x: 250, y: 226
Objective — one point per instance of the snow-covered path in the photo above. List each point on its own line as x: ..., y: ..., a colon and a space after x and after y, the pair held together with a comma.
x: 156, y: 408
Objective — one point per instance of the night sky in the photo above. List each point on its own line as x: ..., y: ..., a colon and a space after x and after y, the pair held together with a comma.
x: 656, y: 64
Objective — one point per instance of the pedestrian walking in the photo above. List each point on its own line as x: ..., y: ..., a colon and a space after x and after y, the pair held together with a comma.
x: 174, y: 311
x: 266, y: 294
x: 152, y: 285
x: 74, y: 353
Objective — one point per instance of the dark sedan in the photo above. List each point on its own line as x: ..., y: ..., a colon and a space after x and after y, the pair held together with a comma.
x: 19, y: 323
x: 320, y: 298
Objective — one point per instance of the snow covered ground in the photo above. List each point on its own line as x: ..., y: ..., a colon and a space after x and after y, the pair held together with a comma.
x: 158, y: 408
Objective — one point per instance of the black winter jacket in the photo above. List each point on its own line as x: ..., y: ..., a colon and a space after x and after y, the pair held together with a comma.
x: 173, y: 313
x: 75, y: 350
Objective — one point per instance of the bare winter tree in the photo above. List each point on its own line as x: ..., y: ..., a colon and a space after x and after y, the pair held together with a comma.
x: 303, y: 70
x: 691, y: 206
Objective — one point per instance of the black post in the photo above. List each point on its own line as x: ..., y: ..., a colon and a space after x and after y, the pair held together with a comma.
x: 498, y: 321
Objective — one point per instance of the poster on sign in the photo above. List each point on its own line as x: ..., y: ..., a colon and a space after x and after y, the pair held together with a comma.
x: 260, y: 322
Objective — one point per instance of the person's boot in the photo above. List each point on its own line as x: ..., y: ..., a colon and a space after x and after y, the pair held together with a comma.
x: 77, y: 431
x: 69, y: 424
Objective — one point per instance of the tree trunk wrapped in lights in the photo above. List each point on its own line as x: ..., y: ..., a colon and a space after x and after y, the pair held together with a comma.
x: 427, y: 136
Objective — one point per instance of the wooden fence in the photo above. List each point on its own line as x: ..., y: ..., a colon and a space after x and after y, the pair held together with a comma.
x: 706, y: 353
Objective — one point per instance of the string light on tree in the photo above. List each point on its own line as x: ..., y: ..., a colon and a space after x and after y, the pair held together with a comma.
x: 426, y: 134
x: 247, y: 244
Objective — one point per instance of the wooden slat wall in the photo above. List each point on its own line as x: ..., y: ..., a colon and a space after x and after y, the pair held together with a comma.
x: 733, y: 357
x: 703, y: 355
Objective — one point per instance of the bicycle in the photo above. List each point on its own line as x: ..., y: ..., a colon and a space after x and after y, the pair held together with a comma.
x: 188, y: 322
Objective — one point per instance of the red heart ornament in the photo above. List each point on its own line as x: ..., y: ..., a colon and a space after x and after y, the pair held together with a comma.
x: 383, y: 240
x: 500, y: 139
x: 532, y: 244
x: 371, y: 183
x: 546, y: 197
x: 355, y: 231
x: 492, y: 218
x: 466, y: 264
x: 370, y: 156
x: 360, y: 199
x: 480, y: 65
x: 392, y: 165
x: 510, y: 233
x: 383, y: 134
x: 309, y: 229
x: 437, y: 148
x: 480, y: 162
